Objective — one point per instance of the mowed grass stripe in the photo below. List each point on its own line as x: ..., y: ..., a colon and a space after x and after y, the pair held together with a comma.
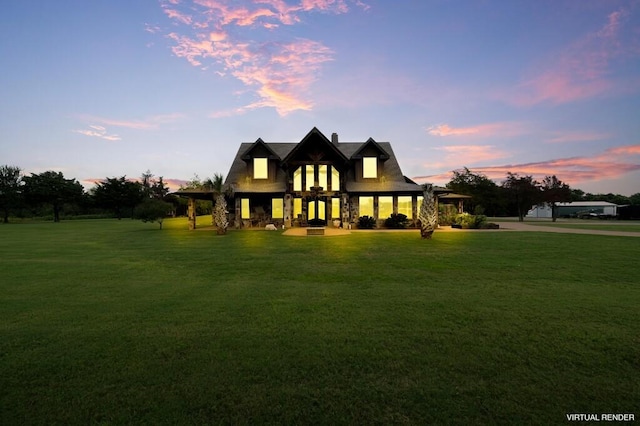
x: 115, y: 322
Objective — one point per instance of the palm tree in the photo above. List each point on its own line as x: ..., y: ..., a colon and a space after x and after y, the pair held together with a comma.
x: 428, y: 213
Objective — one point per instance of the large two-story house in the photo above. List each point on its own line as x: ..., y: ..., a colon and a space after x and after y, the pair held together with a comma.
x: 318, y: 181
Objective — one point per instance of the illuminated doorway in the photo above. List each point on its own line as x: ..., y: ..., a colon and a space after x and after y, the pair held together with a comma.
x: 317, y: 212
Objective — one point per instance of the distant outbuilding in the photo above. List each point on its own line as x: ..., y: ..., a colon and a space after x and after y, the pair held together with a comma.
x: 577, y: 209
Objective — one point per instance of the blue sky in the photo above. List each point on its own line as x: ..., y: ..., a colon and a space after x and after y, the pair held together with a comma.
x: 106, y: 88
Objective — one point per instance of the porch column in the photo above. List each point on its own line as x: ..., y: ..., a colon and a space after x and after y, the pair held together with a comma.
x: 345, y: 210
x: 238, y: 216
x: 288, y: 208
x: 191, y: 213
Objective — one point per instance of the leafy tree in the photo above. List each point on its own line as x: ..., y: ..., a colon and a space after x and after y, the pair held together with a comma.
x: 194, y: 183
x: 577, y: 195
x: 159, y: 189
x: 10, y: 189
x: 153, y: 188
x: 52, y: 188
x: 152, y: 210
x: 635, y: 199
x: 118, y: 194
x: 146, y: 180
x: 484, y: 192
x: 524, y: 191
x: 554, y: 191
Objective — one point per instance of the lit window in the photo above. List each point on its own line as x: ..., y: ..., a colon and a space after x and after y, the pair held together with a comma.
x: 419, y: 204
x: 277, y: 208
x: 245, y: 213
x: 370, y: 167
x: 385, y: 207
x: 297, y: 179
x: 335, y: 208
x: 297, y: 207
x: 260, y: 168
x: 310, y: 177
x: 322, y: 176
x: 366, y: 206
x: 335, y: 179
x: 404, y: 206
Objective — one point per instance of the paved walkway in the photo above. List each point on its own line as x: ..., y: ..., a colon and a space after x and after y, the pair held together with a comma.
x: 524, y: 226
x: 504, y: 226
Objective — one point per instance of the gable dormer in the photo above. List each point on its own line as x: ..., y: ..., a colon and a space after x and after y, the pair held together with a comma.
x: 369, y: 160
x: 261, y: 161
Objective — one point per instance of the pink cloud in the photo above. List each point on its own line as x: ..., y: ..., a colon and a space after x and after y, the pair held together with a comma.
x: 610, y: 164
x: 98, y: 132
x: 583, y: 69
x: 178, y: 16
x: 566, y: 137
x: 339, y: 6
x: 490, y: 129
x: 625, y: 150
x: 148, y: 123
x: 467, y: 154
x: 279, y: 73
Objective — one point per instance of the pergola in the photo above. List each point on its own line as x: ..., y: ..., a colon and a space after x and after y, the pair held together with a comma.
x: 192, y: 195
x: 453, y: 198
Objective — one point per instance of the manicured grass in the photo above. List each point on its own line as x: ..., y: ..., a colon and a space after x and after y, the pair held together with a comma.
x: 115, y: 322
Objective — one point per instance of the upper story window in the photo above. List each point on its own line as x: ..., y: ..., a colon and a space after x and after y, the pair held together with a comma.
x: 297, y: 179
x: 260, y: 168
x: 309, y: 178
x: 304, y: 177
x: 335, y: 179
x: 369, y: 167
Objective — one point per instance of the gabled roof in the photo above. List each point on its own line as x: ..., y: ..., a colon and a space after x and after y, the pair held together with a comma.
x: 259, y: 143
x: 393, y: 179
x: 314, y: 136
x: 586, y: 204
x: 370, y: 143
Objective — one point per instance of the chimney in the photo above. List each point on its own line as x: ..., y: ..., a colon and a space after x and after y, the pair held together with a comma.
x: 334, y: 138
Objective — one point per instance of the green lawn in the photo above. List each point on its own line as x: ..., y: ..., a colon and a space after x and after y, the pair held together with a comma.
x: 115, y: 322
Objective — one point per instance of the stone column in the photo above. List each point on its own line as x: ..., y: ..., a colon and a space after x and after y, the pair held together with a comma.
x: 238, y: 217
x: 288, y: 210
x: 345, y: 211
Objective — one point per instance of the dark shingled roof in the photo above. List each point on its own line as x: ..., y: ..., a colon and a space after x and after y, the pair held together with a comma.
x: 393, y: 179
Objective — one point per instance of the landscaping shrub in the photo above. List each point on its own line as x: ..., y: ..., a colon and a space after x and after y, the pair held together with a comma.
x: 396, y: 221
x: 447, y: 214
x: 469, y: 221
x: 366, y: 222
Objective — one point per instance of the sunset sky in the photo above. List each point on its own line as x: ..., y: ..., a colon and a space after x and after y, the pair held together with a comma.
x: 105, y: 88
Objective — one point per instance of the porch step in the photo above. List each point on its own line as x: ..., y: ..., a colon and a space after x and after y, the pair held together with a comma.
x: 315, y: 231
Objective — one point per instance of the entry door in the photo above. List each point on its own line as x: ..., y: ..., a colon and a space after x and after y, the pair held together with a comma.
x: 317, y: 210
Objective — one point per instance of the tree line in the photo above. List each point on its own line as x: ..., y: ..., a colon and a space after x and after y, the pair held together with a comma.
x: 517, y: 194
x: 50, y: 194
